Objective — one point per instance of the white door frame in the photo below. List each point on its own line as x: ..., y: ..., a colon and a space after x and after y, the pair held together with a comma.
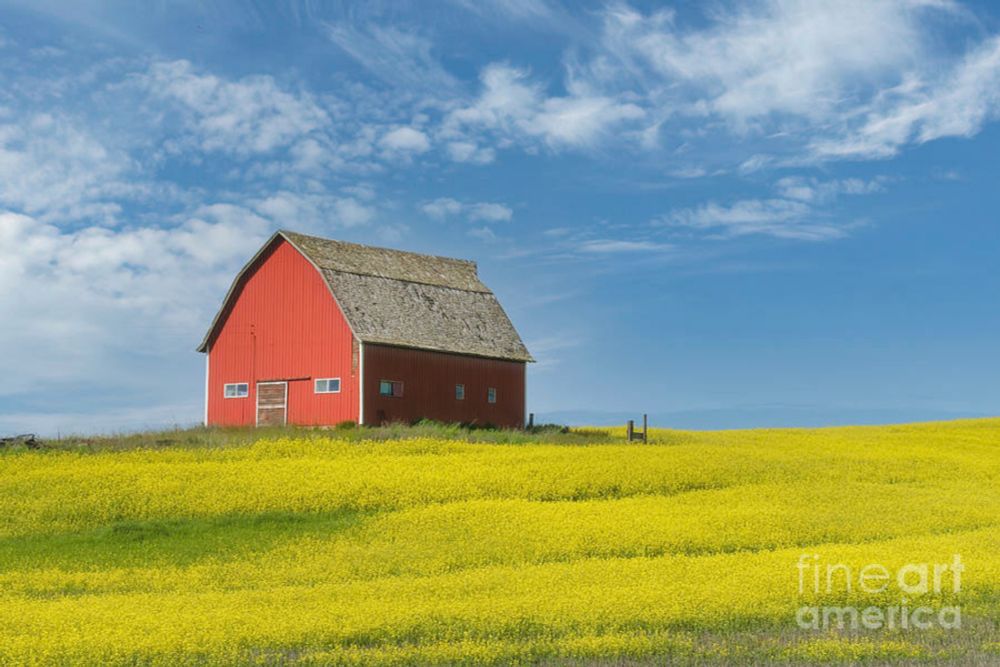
x: 257, y: 401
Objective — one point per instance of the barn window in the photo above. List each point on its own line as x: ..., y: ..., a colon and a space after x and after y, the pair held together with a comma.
x: 390, y: 388
x: 460, y: 392
x: 328, y: 386
x: 491, y: 395
x: 236, y: 390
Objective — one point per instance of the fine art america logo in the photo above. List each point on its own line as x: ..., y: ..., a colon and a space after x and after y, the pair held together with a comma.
x: 909, y: 582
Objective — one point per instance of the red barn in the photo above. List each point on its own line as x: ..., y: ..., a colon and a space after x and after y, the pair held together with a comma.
x: 316, y: 332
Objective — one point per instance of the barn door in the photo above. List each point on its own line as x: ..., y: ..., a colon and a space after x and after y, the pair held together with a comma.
x: 272, y: 403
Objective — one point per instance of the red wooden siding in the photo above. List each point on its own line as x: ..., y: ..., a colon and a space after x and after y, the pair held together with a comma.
x: 429, y: 380
x: 282, y: 324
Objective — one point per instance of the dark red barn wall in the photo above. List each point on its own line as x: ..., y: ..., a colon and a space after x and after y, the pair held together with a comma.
x: 429, y: 380
x: 283, y: 325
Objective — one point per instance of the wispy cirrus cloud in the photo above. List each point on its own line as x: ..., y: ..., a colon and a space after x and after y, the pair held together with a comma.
x: 521, y: 10
x: 815, y: 191
x: 400, y: 57
x: 617, y: 246
x: 54, y: 168
x: 751, y: 60
x: 250, y: 115
x: 922, y: 108
x: 799, y: 211
x: 446, y: 207
x: 781, y: 218
x: 801, y: 81
x: 512, y: 106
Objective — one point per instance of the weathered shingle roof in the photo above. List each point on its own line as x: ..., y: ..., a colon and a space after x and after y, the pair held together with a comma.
x: 366, y: 260
x: 411, y: 300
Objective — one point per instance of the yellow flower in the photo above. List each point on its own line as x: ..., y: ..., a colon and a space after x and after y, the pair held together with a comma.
x: 321, y: 551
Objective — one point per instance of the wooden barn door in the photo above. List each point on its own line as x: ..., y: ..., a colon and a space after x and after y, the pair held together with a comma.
x: 272, y: 403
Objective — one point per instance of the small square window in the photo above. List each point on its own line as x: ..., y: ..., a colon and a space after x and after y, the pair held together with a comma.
x: 236, y: 390
x: 491, y: 395
x: 390, y: 388
x: 460, y: 392
x: 328, y: 386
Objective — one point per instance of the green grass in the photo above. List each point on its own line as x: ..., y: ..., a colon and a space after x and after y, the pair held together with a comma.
x: 178, y: 542
x: 214, y: 437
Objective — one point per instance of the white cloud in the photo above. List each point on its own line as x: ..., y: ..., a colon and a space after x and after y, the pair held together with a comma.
x: 314, y: 153
x: 522, y: 10
x: 442, y: 208
x: 797, y: 213
x: 579, y: 121
x: 755, y: 163
x: 350, y: 212
x: 689, y: 172
x: 468, y: 151
x: 506, y: 98
x: 797, y: 80
x: 46, y: 52
x: 395, y: 56
x: 483, y: 234
x: 786, y: 56
x: 955, y: 103
x: 512, y: 105
x: 252, y: 115
x: 490, y: 212
x: 406, y: 139
x: 51, y: 168
x: 616, y: 246
x: 446, y: 207
x: 814, y: 191
x: 362, y: 191
x: 782, y: 218
x: 88, y: 301
x: 313, y: 211
x: 804, y: 80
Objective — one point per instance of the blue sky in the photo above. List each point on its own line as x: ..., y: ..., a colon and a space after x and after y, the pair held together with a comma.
x: 722, y: 214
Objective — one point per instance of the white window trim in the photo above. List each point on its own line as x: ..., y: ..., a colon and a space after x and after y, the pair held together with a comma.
x: 225, y: 389
x: 328, y: 381
x: 457, y: 397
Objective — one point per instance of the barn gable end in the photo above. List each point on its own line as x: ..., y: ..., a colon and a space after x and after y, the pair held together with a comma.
x: 280, y: 324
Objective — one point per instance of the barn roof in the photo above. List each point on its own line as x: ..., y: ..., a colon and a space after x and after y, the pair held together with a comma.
x: 406, y: 299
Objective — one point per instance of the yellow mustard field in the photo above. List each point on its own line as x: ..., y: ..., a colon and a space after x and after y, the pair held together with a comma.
x: 697, y: 548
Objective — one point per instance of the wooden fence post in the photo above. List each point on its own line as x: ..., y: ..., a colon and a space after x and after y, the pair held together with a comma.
x: 645, y: 428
